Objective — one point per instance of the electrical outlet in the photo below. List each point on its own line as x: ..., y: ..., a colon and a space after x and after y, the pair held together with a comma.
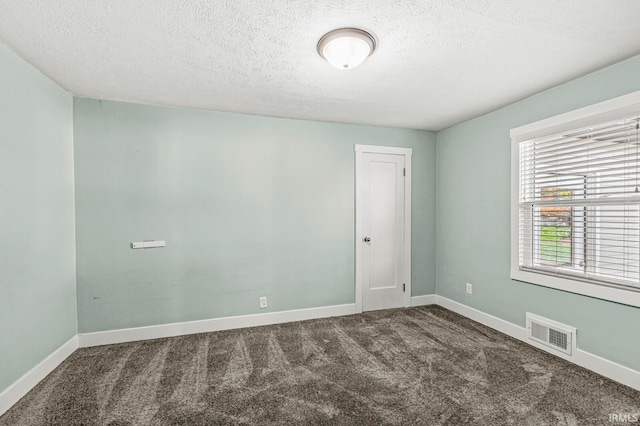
x: 263, y: 302
x: 469, y: 288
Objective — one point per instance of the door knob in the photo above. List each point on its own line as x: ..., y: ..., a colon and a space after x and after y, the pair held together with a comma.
x: 366, y: 239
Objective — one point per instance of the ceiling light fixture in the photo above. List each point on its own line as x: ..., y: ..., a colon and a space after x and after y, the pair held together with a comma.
x: 346, y: 48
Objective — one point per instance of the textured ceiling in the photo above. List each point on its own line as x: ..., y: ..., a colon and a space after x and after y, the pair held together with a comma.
x: 438, y: 62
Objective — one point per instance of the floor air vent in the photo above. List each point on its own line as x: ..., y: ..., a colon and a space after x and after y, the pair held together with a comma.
x: 550, y: 333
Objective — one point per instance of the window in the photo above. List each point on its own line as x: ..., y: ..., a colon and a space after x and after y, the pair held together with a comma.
x: 576, y: 201
x: 556, y: 228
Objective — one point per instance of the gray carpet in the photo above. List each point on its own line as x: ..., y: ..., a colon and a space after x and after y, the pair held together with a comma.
x: 424, y: 365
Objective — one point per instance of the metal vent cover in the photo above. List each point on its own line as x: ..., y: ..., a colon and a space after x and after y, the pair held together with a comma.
x: 559, y: 339
x: 539, y: 331
x: 552, y: 334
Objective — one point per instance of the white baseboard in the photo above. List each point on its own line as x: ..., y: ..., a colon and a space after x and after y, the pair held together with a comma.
x: 429, y: 299
x: 17, y: 390
x: 496, y: 323
x: 225, y: 323
x: 30, y: 379
x: 610, y: 369
x: 206, y: 326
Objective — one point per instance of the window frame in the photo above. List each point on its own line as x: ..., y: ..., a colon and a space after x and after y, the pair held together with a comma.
x: 593, y: 114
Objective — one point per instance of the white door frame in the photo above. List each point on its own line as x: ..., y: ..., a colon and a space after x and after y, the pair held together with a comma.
x: 407, y: 152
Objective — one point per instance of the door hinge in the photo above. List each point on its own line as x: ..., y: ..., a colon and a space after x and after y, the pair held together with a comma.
x: 404, y: 287
x: 404, y: 172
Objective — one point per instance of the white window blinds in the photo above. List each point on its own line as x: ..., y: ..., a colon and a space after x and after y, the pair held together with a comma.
x: 579, y: 204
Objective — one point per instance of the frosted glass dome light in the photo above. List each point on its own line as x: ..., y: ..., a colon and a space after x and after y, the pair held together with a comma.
x: 346, y: 48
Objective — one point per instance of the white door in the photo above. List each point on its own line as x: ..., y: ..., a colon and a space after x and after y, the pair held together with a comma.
x: 381, y: 187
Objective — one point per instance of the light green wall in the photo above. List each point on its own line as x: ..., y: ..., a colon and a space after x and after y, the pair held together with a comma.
x: 37, y: 258
x: 473, y: 220
x: 249, y: 206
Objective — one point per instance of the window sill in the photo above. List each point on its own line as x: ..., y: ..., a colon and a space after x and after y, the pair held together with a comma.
x: 612, y: 294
